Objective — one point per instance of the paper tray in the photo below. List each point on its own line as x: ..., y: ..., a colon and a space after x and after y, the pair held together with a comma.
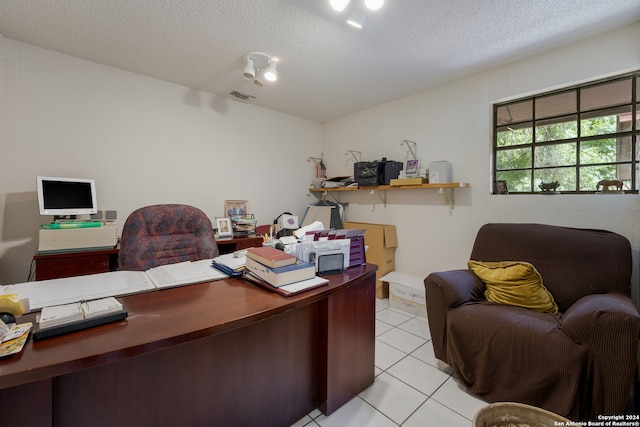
x: 40, y: 334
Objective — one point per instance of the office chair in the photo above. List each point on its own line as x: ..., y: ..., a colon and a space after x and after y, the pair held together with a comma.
x: 165, y: 234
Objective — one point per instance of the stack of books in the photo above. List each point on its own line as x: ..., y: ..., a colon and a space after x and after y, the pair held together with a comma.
x: 280, y: 271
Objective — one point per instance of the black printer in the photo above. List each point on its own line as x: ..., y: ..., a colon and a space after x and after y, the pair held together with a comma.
x: 378, y: 172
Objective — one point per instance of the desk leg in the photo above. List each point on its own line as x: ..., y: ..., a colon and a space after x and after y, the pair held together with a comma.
x: 348, y: 350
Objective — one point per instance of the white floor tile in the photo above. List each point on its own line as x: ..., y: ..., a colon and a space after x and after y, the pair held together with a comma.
x: 386, y: 355
x: 355, y: 413
x: 455, y: 397
x: 432, y: 413
x: 393, y: 398
x: 306, y: 420
x: 392, y: 317
x: 402, y: 340
x: 426, y: 354
x: 382, y: 303
x: 417, y: 327
x: 382, y: 327
x: 418, y: 374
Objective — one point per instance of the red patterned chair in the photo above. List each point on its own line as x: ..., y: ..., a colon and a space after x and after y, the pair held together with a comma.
x: 165, y: 234
x: 579, y: 359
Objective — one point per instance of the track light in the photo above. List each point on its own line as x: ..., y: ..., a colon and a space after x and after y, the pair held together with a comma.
x: 271, y: 72
x: 356, y: 16
x: 339, y: 5
x: 357, y: 10
x: 373, y: 4
x: 355, y: 23
x: 260, y: 66
x: 249, y: 72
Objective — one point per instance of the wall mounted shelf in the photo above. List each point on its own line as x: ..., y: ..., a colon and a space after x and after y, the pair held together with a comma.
x: 381, y: 190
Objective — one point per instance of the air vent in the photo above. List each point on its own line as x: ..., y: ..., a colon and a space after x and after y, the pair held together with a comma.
x: 241, y: 95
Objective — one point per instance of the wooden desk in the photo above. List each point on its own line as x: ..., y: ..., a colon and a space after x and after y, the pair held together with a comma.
x: 218, y: 353
x: 75, y: 263
x: 92, y: 261
x: 227, y: 245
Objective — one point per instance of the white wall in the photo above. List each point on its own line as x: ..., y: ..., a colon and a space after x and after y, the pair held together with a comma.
x: 453, y: 122
x: 144, y: 141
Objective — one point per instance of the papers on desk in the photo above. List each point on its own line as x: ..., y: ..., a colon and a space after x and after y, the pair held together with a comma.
x: 234, y: 261
x: 12, y: 338
x: 183, y: 273
x: 287, y: 290
x: 73, y: 289
x: 69, y: 290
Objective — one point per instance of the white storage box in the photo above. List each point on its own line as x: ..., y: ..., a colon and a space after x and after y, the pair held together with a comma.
x: 406, y: 293
x: 439, y: 172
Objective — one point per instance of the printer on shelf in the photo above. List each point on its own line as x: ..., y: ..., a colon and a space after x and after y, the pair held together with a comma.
x: 378, y: 172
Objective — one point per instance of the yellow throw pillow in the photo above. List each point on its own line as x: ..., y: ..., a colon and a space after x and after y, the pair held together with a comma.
x: 515, y: 283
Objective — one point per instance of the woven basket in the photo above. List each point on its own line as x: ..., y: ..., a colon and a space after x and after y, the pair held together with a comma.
x: 508, y: 414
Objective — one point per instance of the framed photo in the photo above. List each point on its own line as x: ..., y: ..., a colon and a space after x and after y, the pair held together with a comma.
x: 500, y: 187
x: 236, y: 208
x: 224, y: 227
x: 412, y: 167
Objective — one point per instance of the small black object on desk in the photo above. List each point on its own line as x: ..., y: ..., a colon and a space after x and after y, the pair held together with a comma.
x: 7, y: 318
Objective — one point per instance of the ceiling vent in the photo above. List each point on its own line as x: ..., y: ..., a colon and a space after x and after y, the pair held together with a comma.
x: 241, y: 95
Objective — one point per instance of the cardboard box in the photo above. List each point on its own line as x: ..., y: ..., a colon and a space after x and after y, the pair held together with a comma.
x: 381, y: 242
x: 406, y: 293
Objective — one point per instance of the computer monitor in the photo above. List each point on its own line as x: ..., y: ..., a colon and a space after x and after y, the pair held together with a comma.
x: 66, y: 197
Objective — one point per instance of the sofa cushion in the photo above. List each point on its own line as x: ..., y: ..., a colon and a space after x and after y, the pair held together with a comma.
x: 515, y: 283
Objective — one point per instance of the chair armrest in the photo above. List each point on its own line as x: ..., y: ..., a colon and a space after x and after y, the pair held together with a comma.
x: 452, y: 288
x: 446, y: 290
x: 609, y: 326
x: 602, y: 310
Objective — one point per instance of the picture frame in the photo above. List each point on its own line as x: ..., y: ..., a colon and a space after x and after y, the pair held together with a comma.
x: 236, y: 208
x: 412, y: 167
x: 225, y: 229
x: 500, y: 187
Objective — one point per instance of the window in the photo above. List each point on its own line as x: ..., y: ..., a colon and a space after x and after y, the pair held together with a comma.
x: 576, y: 137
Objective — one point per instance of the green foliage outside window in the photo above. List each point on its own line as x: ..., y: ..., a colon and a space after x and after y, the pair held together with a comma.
x: 577, y: 148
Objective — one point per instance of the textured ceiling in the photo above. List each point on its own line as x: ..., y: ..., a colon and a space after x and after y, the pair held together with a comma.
x: 327, y: 69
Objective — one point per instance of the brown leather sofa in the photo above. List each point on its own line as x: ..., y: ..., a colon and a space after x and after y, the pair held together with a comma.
x: 578, y: 363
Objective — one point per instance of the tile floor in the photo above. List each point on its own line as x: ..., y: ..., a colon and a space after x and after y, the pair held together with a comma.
x: 411, y: 387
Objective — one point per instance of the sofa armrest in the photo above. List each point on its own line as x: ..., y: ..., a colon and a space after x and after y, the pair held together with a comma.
x: 599, y: 310
x: 446, y: 290
x: 609, y: 325
x: 455, y: 287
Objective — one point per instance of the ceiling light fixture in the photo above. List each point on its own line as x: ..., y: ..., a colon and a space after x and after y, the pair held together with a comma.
x: 356, y: 10
x: 356, y: 23
x: 373, y: 4
x: 356, y: 16
x: 249, y: 71
x: 339, y: 5
x: 271, y: 72
x: 260, y: 66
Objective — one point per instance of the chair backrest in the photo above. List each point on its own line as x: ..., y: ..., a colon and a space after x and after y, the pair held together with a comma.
x: 573, y: 262
x: 165, y: 234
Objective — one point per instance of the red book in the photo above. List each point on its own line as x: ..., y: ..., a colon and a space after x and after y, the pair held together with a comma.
x: 271, y: 257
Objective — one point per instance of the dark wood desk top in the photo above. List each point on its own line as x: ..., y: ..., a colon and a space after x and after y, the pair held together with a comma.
x: 161, y: 319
